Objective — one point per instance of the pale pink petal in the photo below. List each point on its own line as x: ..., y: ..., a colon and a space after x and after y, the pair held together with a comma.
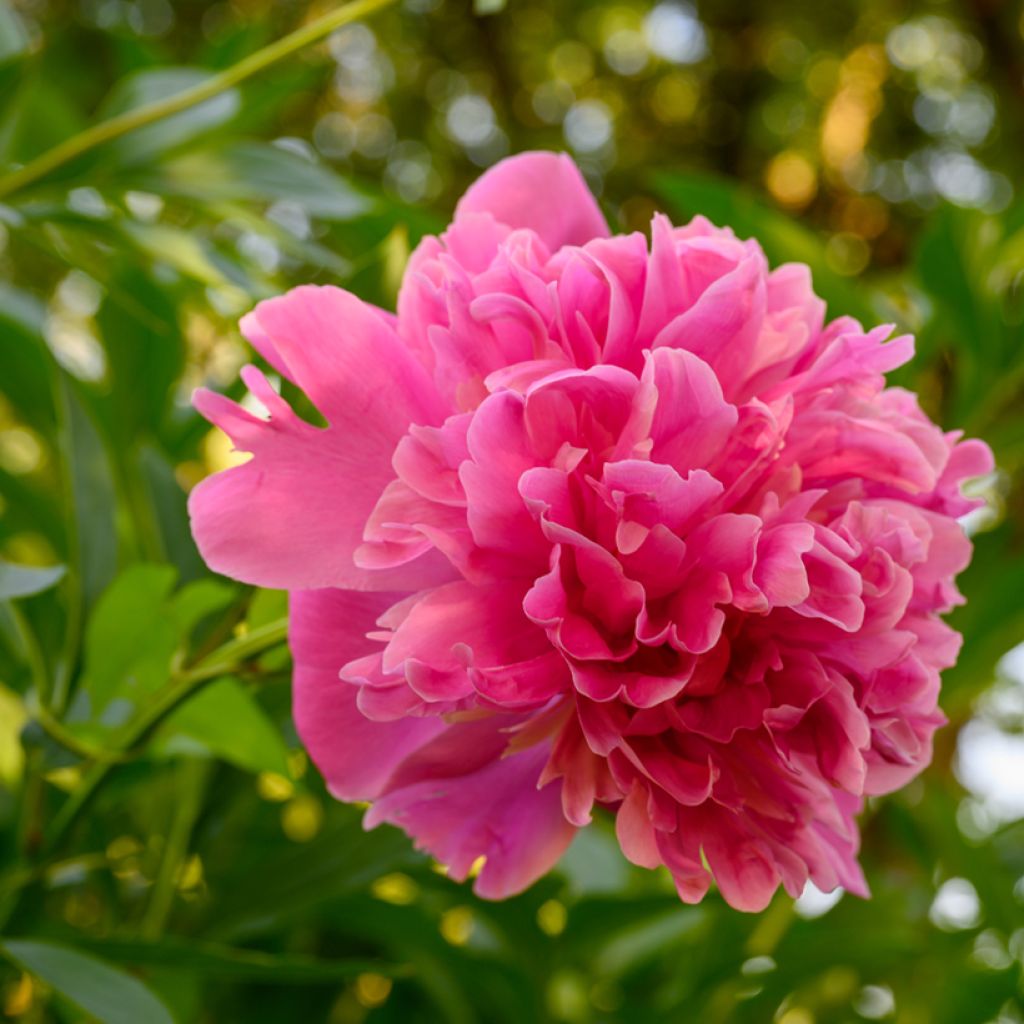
x: 541, y: 191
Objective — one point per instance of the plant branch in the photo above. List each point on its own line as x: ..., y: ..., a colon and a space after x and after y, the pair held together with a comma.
x: 182, y: 685
x: 61, y: 734
x: 150, y: 113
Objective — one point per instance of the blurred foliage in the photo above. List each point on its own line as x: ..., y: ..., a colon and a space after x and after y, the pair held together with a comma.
x: 166, y: 851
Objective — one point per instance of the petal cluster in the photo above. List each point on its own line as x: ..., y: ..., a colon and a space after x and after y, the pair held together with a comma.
x: 600, y: 522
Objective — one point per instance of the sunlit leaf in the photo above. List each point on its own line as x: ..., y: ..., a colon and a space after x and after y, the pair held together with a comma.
x: 130, y: 636
x: 224, y: 719
x: 256, y: 171
x: 157, y: 84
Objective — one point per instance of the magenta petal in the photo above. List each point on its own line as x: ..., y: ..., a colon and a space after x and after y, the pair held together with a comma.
x: 692, y: 419
x: 356, y: 757
x: 293, y: 516
x: 541, y: 191
x: 652, y: 535
x: 743, y: 869
x: 348, y: 360
x: 634, y: 831
x: 495, y: 811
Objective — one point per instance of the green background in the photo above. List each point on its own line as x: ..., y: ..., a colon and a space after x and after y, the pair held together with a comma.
x: 166, y: 851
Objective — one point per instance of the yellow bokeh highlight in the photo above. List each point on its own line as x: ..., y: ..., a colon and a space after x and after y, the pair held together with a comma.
x: 847, y: 254
x: 796, y: 1015
x: 302, y: 818
x: 372, y: 990
x: 219, y: 453
x: 572, y: 62
x: 791, y: 179
x: 856, y: 103
x: 13, y: 717
x: 20, y: 451
x: 297, y: 763
x: 552, y: 917
x: 674, y: 98
x: 395, y: 888
x: 457, y: 925
x: 19, y: 997
x: 190, y: 874
x: 274, y: 787
x: 66, y: 779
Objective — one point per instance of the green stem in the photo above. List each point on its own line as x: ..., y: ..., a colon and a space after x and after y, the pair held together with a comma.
x: 132, y: 120
x: 33, y: 653
x: 61, y: 734
x: 183, y: 685
x: 73, y: 591
x: 192, y: 778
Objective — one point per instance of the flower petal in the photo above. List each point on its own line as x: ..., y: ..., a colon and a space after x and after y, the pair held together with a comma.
x: 356, y: 757
x: 541, y: 191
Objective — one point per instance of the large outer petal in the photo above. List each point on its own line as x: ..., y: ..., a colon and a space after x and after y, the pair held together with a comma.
x: 293, y: 516
x: 541, y: 191
x: 356, y: 756
x: 492, y: 810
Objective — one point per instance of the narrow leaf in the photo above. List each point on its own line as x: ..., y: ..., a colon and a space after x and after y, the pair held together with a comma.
x: 94, y: 987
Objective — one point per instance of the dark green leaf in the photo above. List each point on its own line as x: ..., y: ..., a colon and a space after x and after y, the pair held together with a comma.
x: 232, y: 962
x: 94, y: 987
x: 24, y: 357
x: 93, y: 499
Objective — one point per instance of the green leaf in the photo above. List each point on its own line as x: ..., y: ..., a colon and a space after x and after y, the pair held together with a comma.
x: 24, y: 356
x: 231, y: 962
x: 94, y: 987
x: 130, y: 638
x: 194, y: 602
x: 225, y: 719
x: 267, y: 606
x: 155, y: 84
x: 169, y: 503
x: 145, y: 353
x: 93, y: 496
x: 25, y: 580
x: 185, y: 251
x: 274, y: 884
x: 259, y: 172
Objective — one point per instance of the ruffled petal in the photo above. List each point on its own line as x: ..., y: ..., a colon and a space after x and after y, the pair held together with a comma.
x: 494, y: 810
x: 356, y: 757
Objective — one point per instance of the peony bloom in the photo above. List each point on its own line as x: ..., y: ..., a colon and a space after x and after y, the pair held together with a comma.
x: 597, y: 521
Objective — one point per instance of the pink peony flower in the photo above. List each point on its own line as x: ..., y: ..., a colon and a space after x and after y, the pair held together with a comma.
x: 600, y: 522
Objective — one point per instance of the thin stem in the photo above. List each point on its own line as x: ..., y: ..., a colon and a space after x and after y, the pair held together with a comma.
x: 192, y: 778
x: 61, y: 734
x: 182, y: 686
x: 139, y: 117
x: 73, y: 583
x: 37, y: 664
